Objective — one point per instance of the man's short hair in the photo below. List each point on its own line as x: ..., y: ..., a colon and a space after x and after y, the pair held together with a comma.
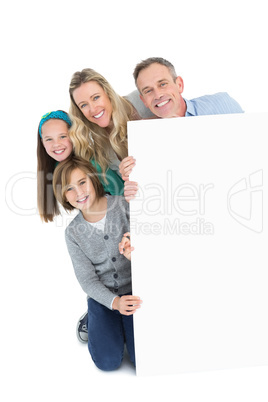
x: 146, y: 63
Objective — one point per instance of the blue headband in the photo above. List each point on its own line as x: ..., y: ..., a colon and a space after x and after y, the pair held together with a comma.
x: 59, y: 114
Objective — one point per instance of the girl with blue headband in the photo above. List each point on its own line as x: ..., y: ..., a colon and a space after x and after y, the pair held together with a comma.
x: 53, y: 146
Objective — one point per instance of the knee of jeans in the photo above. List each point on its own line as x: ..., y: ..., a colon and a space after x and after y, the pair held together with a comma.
x: 108, y: 364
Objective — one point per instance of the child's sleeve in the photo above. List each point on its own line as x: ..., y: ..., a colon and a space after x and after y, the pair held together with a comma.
x: 87, y: 276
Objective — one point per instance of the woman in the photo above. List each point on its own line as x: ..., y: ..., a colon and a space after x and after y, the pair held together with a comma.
x: 100, y: 117
x: 93, y: 239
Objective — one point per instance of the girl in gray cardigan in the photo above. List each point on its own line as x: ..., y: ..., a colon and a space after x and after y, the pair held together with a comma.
x: 92, y: 240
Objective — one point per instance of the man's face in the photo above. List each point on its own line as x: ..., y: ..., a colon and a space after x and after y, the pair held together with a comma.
x: 160, y: 93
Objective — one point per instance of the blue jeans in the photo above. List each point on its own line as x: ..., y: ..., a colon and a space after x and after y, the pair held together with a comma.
x: 108, y: 330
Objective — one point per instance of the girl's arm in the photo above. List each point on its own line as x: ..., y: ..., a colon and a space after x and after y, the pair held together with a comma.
x: 93, y: 287
x: 87, y: 276
x: 127, y: 305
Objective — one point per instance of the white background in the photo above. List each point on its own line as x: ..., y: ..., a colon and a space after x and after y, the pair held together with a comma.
x: 215, y: 46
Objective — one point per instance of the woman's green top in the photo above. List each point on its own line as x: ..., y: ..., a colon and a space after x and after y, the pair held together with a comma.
x: 115, y: 183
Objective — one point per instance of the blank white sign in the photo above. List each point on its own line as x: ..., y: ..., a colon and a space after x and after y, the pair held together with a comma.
x: 199, y: 229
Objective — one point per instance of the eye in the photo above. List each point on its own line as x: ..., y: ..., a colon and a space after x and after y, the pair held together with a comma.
x: 83, y: 106
x: 82, y: 183
x: 96, y: 97
x: 147, y: 91
x: 69, y: 189
x: 163, y: 84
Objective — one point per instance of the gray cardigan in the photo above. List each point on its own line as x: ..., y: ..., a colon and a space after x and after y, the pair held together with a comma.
x: 101, y: 270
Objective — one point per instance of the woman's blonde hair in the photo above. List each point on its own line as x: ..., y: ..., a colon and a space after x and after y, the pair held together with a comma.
x: 90, y: 140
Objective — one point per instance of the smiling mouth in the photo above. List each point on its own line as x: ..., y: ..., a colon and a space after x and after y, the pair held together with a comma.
x: 98, y: 116
x: 59, y: 152
x: 161, y: 104
x: 83, y: 199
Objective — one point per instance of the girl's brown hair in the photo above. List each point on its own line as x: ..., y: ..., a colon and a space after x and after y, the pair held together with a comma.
x: 62, y: 174
x: 46, y: 201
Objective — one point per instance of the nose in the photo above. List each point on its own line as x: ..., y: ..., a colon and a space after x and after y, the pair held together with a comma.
x: 92, y: 109
x: 56, y: 143
x: 158, y: 93
x: 79, y: 191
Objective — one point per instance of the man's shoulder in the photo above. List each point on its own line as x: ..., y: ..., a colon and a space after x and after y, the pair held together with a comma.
x: 135, y: 100
x: 219, y: 103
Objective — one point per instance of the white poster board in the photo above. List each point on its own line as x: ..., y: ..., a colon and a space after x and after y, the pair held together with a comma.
x: 199, y: 229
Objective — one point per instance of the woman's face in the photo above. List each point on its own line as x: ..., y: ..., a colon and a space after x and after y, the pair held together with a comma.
x: 94, y: 103
x: 55, y: 139
x: 80, y: 192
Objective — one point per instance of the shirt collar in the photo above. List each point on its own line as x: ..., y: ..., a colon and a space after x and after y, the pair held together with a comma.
x: 190, y: 109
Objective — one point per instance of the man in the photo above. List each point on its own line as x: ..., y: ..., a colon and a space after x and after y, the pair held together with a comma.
x: 161, y: 91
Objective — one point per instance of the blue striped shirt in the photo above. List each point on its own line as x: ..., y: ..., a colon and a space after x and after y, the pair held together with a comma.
x: 220, y: 103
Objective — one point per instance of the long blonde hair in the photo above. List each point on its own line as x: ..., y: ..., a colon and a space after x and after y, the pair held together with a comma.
x: 90, y: 140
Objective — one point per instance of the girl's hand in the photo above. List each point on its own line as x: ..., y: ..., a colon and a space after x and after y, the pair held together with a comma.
x: 127, y: 305
x: 125, y: 246
x: 126, y: 166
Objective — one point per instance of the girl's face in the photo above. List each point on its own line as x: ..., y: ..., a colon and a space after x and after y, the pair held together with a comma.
x: 55, y: 139
x: 94, y: 103
x: 80, y: 192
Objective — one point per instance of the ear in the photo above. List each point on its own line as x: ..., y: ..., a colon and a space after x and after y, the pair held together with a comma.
x: 144, y: 101
x: 180, y: 83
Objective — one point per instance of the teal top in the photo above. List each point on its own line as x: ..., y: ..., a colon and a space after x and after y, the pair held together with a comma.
x: 115, y: 183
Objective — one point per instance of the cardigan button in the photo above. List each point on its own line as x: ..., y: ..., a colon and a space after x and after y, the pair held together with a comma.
x: 106, y: 237
x: 113, y: 259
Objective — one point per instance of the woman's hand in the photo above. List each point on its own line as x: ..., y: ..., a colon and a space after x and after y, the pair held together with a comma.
x: 127, y: 305
x: 130, y: 190
x: 126, y: 166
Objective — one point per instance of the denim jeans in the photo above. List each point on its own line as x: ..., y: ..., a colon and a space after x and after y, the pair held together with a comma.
x: 108, y: 330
